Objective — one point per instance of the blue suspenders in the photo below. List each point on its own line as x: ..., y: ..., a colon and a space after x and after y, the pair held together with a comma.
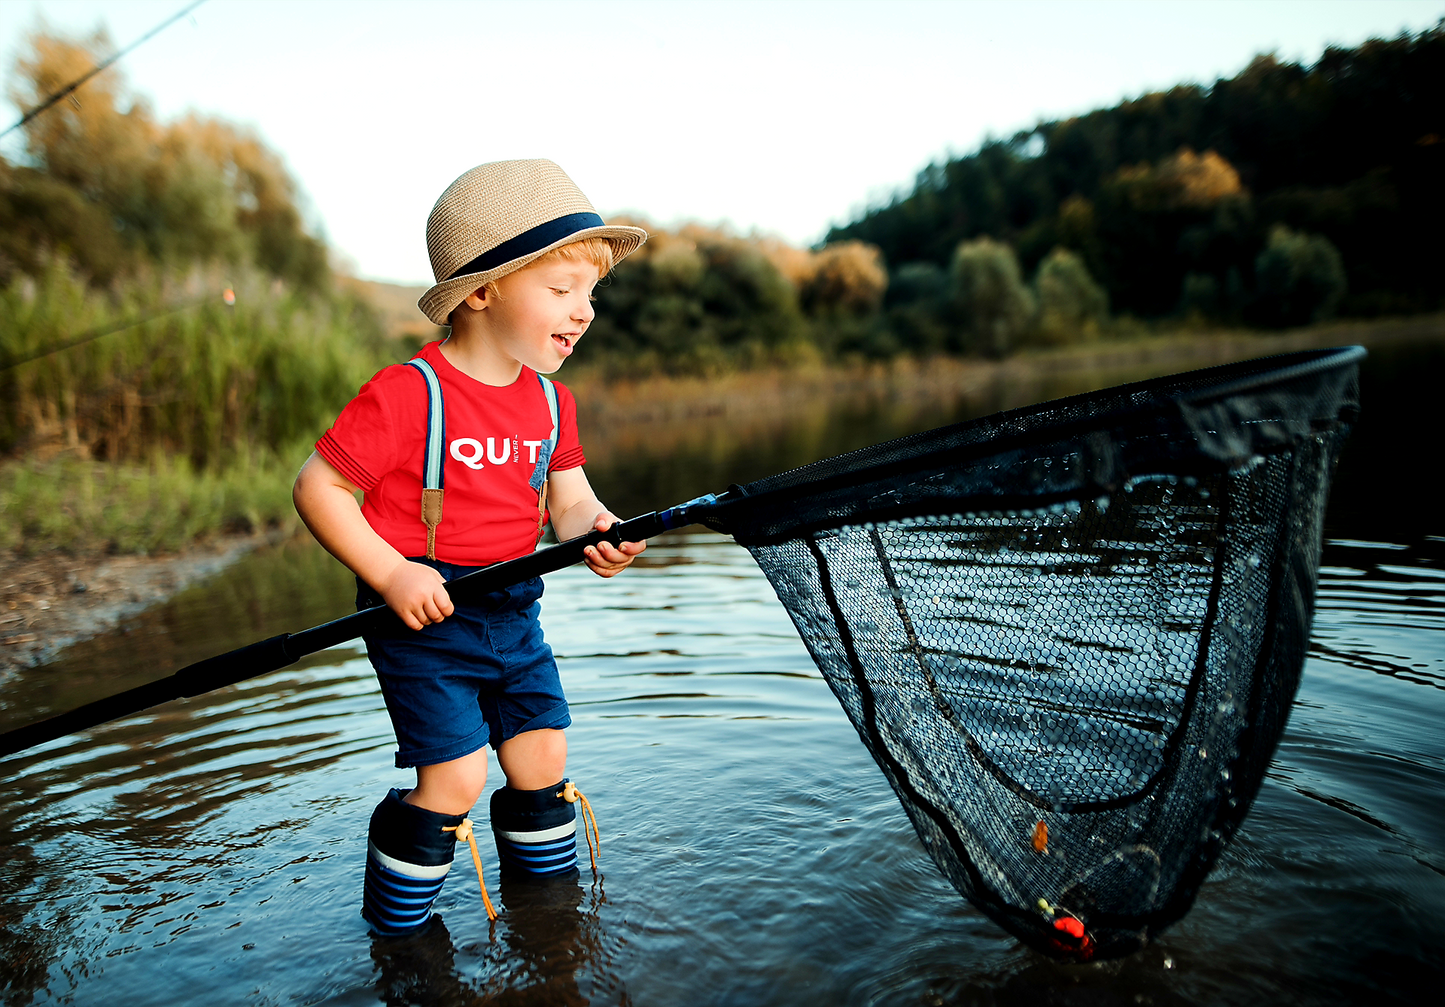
x: 544, y: 455
x: 434, y: 469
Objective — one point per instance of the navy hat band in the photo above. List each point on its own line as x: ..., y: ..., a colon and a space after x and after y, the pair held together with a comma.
x: 529, y: 241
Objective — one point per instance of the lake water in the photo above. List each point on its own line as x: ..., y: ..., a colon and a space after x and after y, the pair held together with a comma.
x: 211, y: 851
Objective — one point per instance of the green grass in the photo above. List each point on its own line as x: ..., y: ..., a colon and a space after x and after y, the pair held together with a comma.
x: 206, y: 382
x: 88, y: 507
x: 153, y: 435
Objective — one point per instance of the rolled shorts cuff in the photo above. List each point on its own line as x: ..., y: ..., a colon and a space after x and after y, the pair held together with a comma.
x: 444, y: 753
x: 557, y: 718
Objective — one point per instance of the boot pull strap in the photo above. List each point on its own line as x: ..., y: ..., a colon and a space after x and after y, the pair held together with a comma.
x: 572, y: 795
x: 432, y: 473
x: 464, y: 834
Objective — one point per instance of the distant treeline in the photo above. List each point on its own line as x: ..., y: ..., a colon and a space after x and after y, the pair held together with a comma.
x: 1276, y: 197
x: 1280, y: 197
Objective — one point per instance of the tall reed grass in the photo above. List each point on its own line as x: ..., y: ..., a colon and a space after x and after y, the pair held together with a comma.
x: 204, y: 381
x: 191, y: 420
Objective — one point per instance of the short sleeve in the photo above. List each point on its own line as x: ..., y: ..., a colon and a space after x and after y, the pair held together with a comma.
x: 569, y: 445
x: 361, y: 444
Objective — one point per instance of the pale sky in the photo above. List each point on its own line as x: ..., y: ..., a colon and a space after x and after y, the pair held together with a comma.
x: 781, y: 117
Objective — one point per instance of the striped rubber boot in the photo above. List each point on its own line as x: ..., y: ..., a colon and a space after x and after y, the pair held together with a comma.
x: 536, y: 831
x: 407, y: 860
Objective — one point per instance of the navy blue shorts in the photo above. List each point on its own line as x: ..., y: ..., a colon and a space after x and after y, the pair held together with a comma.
x: 483, y: 674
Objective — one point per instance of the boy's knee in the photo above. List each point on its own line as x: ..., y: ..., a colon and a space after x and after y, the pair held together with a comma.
x: 451, y: 787
x: 534, y: 759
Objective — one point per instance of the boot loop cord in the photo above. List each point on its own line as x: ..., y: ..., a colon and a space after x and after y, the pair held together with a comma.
x: 572, y: 795
x: 464, y: 834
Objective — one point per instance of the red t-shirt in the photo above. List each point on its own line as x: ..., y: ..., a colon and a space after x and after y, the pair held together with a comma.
x: 489, y: 512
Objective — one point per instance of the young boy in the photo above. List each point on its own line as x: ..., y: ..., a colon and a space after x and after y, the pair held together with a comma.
x: 516, y: 249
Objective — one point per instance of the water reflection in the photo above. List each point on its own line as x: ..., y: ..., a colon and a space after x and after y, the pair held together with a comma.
x: 549, y: 947
x: 639, y: 470
x: 649, y: 465
x: 284, y: 589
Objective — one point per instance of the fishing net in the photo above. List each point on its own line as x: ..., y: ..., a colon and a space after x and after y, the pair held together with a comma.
x: 1070, y: 634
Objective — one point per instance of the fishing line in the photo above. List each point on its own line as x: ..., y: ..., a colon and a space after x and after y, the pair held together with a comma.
x: 70, y: 88
x: 9, y: 363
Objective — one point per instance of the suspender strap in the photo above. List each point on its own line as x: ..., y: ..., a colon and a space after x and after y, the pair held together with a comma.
x: 433, y: 471
x: 544, y: 454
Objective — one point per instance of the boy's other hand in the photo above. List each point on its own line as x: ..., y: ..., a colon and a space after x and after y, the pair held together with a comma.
x: 605, y: 559
x: 417, y: 593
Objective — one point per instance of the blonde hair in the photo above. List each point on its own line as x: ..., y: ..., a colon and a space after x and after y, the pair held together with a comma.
x: 598, y: 251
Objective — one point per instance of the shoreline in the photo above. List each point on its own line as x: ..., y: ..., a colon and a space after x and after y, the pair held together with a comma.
x: 52, y: 600
x: 652, y: 413
x: 662, y: 397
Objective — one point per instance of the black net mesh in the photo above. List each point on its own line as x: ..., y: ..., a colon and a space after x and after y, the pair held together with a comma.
x: 1070, y: 634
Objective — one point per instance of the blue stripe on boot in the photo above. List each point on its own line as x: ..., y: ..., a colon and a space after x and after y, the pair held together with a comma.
x: 536, y: 831
x: 407, y: 860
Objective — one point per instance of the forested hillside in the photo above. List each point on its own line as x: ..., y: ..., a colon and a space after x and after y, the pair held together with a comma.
x: 1274, y: 197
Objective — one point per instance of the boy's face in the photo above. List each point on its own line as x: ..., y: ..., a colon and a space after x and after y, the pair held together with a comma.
x: 543, y: 311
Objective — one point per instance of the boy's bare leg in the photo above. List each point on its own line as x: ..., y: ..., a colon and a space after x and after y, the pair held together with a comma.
x: 530, y: 761
x: 534, y: 759
x: 451, y: 788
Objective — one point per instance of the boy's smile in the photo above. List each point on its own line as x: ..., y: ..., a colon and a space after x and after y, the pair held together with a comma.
x: 542, y: 312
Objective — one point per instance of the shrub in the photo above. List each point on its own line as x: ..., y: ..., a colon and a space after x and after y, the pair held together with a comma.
x: 205, y: 381
x: 1071, y: 304
x: 1298, y: 279
x: 990, y: 296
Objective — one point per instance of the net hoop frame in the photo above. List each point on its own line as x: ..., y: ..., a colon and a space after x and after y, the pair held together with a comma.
x: 1146, y: 417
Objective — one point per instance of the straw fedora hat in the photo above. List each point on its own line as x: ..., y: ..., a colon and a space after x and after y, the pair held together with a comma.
x: 500, y: 216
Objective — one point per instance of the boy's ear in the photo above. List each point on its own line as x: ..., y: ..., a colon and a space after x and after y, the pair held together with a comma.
x: 477, y: 299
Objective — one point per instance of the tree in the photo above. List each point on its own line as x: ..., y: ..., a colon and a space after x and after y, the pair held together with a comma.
x: 696, y: 299
x: 846, y: 277
x: 194, y: 189
x: 990, y: 295
x: 1071, y: 304
x: 1298, y: 279
x: 919, y: 308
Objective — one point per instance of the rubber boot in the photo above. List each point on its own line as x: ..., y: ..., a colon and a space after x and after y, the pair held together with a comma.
x: 536, y: 831
x: 407, y: 860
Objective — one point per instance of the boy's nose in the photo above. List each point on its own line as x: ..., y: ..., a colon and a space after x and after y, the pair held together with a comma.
x: 584, y: 312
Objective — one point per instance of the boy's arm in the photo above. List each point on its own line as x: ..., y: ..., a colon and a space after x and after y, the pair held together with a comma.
x: 326, y: 502
x: 576, y: 511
